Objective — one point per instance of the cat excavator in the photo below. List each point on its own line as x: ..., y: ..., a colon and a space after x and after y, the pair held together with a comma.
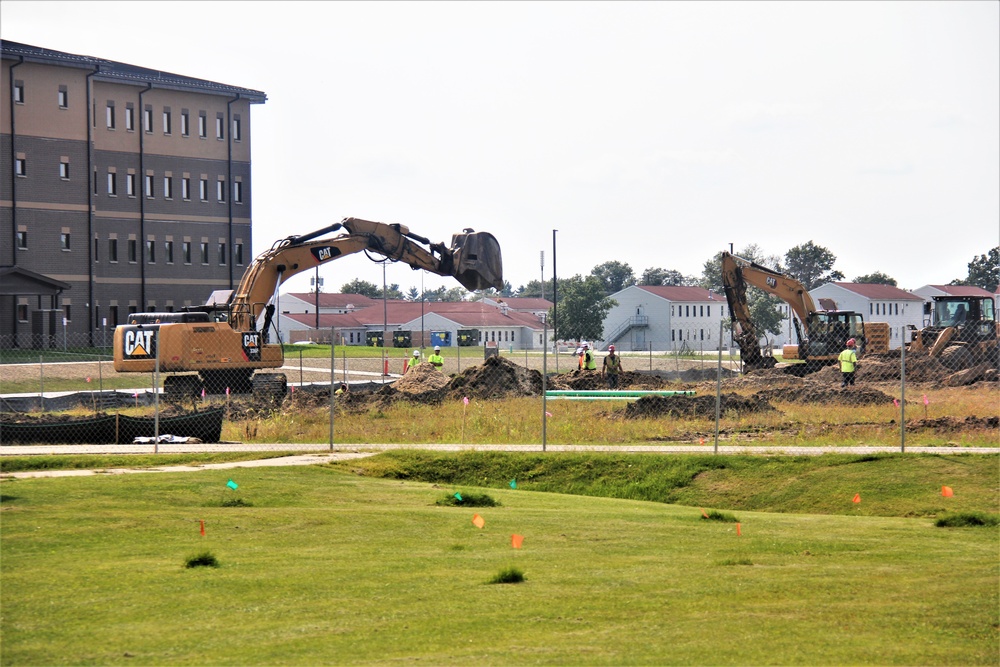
x: 822, y: 334
x: 220, y: 348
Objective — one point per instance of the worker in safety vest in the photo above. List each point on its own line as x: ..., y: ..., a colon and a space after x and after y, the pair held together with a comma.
x: 612, y: 367
x: 588, y: 358
x: 437, y: 361
x: 848, y: 364
x: 414, y: 361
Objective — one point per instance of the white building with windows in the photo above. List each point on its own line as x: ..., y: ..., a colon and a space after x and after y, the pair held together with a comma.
x: 902, y: 310
x: 666, y: 317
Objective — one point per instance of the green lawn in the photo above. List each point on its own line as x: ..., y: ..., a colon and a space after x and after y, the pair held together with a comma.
x: 323, y: 566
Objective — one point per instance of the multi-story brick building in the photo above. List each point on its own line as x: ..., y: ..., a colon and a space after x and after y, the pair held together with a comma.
x: 122, y: 189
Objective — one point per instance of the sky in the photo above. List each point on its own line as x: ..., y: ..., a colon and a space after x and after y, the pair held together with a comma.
x: 650, y: 133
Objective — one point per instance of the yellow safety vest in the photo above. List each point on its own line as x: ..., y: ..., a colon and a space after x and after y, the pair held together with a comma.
x: 437, y: 361
x: 847, y: 360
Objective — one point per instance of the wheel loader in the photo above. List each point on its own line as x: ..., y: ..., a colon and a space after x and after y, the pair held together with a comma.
x: 963, y: 332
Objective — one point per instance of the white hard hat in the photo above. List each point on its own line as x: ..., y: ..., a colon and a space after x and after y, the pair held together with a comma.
x: 437, y: 348
x: 416, y: 353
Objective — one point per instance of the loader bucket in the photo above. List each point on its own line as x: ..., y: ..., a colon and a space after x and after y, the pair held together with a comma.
x: 477, y: 261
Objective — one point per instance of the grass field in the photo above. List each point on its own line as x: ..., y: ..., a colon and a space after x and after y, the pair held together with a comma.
x: 321, y: 565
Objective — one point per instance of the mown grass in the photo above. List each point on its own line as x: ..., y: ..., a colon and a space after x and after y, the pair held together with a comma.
x: 333, y: 568
x: 9, y: 464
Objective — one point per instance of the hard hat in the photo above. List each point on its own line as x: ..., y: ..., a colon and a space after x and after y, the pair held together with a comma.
x: 586, y: 346
x: 851, y: 342
x: 416, y: 353
x: 437, y: 348
x: 611, y: 348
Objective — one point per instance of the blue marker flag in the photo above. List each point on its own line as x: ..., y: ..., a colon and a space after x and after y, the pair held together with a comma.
x: 459, y: 497
x: 232, y: 485
x: 513, y: 483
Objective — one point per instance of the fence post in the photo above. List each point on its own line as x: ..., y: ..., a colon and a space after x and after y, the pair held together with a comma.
x: 545, y: 359
x: 902, y: 397
x: 156, y: 396
x: 458, y: 352
x: 333, y: 379
x: 718, y: 393
x: 41, y: 381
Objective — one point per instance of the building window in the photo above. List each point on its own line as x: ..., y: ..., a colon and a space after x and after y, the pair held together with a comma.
x: 130, y: 185
x: 220, y: 191
x: 169, y: 245
x: 204, y: 252
x: 185, y: 124
x: 113, y: 250
x: 22, y: 312
x: 64, y: 169
x: 186, y: 251
x: 22, y: 240
x: 97, y: 249
x: 133, y: 251
x: 149, y: 186
x: 203, y: 189
x: 168, y: 187
x: 151, y: 252
x: 64, y: 241
x: 166, y: 121
x: 19, y: 92
x: 186, y: 188
x: 238, y: 192
x: 237, y: 131
x: 222, y: 254
x: 202, y: 125
x: 220, y: 127
x: 238, y: 254
x: 21, y: 166
x: 110, y: 115
x: 112, y: 184
x: 63, y: 97
x: 147, y: 119
x: 67, y: 312
x: 130, y: 118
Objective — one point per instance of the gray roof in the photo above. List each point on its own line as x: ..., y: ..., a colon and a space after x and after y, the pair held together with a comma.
x: 110, y: 70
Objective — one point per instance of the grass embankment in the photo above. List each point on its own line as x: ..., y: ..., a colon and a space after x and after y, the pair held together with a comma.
x: 324, y: 567
x: 9, y: 464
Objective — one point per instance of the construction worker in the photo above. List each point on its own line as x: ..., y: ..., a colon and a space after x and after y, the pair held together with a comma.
x: 414, y: 361
x: 612, y: 367
x: 588, y: 358
x: 437, y: 361
x: 848, y: 363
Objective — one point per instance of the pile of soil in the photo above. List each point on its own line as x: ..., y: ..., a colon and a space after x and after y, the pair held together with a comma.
x: 496, y: 378
x: 955, y: 423
x: 824, y: 394
x: 578, y: 380
x: 421, y: 379
x: 695, y: 406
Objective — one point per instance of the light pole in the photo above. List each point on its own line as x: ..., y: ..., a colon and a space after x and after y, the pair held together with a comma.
x: 555, y: 303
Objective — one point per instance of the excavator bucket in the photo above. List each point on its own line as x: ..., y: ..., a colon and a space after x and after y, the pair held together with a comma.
x: 477, y: 261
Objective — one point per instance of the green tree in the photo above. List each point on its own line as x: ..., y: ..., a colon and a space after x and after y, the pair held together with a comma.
x: 455, y: 294
x: 534, y: 289
x: 392, y: 292
x: 656, y: 276
x: 811, y: 265
x: 413, y: 294
x: 877, y: 278
x: 711, y: 277
x: 984, y: 271
x: 582, y: 307
x: 363, y: 287
x: 614, y: 276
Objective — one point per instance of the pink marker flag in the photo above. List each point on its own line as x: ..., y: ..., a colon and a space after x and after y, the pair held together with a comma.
x: 478, y: 521
x: 88, y: 379
x: 926, y: 402
x: 465, y: 400
x: 516, y: 541
x: 895, y: 402
x: 203, y: 393
x: 227, y: 391
x: 548, y: 414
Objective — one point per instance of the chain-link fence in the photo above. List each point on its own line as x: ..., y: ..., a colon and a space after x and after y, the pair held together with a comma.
x: 207, y: 387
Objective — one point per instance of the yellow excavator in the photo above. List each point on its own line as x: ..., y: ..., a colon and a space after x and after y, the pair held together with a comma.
x: 822, y: 334
x: 223, y: 352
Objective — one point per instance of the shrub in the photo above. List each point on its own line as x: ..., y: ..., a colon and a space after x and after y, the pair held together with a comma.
x: 966, y: 519
x: 508, y: 575
x: 205, y: 559
x: 715, y: 515
x: 468, y: 500
x: 236, y: 502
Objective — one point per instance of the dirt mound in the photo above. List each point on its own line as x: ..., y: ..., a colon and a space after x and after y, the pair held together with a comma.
x: 497, y: 377
x: 956, y: 423
x: 578, y: 380
x: 814, y: 392
x: 421, y: 379
x: 695, y: 406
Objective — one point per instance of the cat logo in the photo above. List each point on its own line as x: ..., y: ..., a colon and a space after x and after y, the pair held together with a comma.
x: 325, y: 253
x: 251, y: 345
x: 139, y: 343
x: 771, y: 282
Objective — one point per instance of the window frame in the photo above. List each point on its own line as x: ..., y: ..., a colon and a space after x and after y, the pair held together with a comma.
x: 112, y: 251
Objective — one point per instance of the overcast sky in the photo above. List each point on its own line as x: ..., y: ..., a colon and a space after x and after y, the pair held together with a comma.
x: 652, y: 133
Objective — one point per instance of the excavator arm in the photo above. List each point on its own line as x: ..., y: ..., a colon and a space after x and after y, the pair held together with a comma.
x: 473, y: 259
x: 737, y: 274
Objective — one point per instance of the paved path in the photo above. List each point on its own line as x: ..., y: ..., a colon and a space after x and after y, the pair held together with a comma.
x: 313, y: 454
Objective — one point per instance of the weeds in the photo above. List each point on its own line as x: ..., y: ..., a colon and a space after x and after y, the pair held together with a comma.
x: 967, y: 519
x: 204, y: 559
x: 508, y: 575
x: 468, y: 500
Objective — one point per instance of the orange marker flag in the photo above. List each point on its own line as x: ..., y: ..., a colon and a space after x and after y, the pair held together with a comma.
x: 202, y: 526
x: 704, y: 513
x: 516, y: 541
x: 478, y: 521
x: 739, y: 530
x: 947, y: 492
x: 857, y: 497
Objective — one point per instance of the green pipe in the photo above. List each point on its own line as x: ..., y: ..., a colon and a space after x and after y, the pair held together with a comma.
x: 558, y: 393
